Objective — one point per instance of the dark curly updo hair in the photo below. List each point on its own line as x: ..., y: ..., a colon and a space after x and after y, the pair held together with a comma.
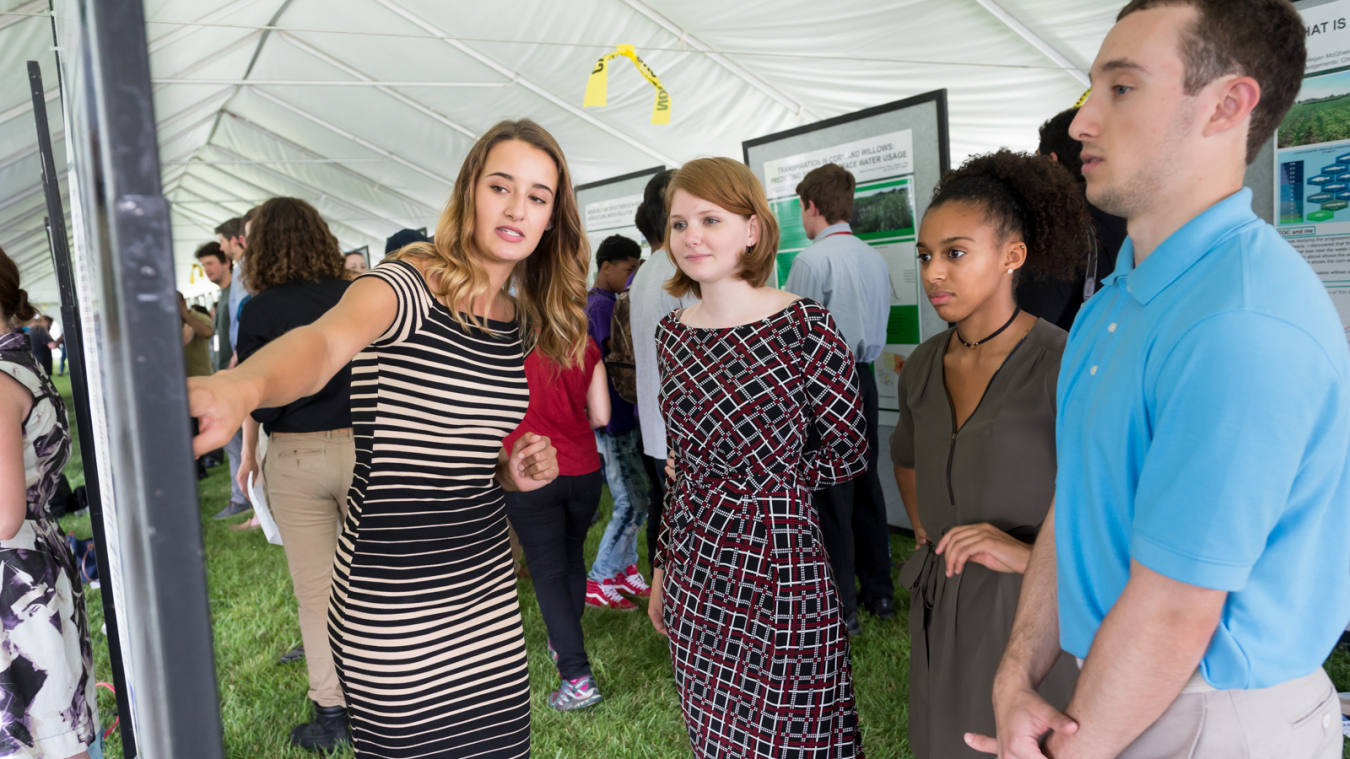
x: 1027, y: 197
x: 288, y: 240
x: 13, y: 299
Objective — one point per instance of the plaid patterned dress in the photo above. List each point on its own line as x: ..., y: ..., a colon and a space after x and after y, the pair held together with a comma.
x: 759, y: 647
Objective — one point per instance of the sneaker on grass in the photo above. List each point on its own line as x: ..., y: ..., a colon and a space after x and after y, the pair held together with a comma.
x: 606, y: 595
x: 630, y: 581
x: 575, y: 694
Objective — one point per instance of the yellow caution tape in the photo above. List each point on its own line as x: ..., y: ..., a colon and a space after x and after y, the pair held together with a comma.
x: 1083, y: 99
x: 192, y: 275
x: 597, y: 86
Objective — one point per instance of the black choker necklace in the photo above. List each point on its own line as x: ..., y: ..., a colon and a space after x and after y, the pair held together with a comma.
x: 997, y: 332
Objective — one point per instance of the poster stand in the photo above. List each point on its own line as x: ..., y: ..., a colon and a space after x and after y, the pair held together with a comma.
x: 121, y: 272
x: 897, y: 153
x: 74, y: 334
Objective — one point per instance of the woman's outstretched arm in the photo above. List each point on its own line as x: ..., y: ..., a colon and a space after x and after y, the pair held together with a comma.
x: 294, y: 366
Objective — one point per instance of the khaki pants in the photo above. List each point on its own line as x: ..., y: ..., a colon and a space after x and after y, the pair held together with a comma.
x: 1298, y: 719
x: 307, y: 478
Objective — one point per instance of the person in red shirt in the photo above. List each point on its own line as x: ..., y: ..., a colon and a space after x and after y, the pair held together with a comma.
x: 566, y: 405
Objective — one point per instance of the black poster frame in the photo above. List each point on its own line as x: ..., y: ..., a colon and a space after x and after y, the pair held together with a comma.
x: 127, y: 239
x: 73, y: 332
x: 623, y: 178
x: 936, y: 96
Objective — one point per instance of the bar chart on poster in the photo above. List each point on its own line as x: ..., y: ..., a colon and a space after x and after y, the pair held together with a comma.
x: 1312, y: 155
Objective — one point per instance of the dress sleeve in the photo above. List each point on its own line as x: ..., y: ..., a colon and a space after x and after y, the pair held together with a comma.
x: 835, y: 403
x: 414, y: 300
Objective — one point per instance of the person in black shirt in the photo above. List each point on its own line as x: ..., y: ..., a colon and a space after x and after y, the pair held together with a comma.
x: 1058, y: 301
x: 295, y: 267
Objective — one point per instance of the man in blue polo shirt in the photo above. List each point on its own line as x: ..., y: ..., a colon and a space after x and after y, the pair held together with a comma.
x: 1198, y: 557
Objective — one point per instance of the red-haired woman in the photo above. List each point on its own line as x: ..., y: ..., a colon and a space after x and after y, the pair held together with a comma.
x: 743, y: 586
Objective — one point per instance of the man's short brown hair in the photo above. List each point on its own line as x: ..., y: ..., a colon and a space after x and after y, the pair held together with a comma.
x: 731, y: 186
x: 830, y: 188
x: 1263, y: 39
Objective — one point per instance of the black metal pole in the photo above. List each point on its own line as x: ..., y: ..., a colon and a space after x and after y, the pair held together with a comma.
x: 73, y: 332
x: 158, y: 515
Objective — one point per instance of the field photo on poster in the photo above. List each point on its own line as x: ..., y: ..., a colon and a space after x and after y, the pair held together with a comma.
x: 1320, y: 114
x: 884, y: 211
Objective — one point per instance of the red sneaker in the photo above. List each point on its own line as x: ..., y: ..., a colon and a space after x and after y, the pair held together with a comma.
x: 606, y: 595
x: 630, y: 581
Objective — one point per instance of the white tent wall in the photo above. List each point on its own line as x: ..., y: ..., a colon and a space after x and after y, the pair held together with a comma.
x: 377, y: 157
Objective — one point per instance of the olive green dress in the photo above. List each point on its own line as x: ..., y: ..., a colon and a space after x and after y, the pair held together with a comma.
x: 1000, y: 469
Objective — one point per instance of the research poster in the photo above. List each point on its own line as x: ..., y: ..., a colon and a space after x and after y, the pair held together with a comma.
x: 883, y: 217
x: 612, y: 217
x: 1312, y: 156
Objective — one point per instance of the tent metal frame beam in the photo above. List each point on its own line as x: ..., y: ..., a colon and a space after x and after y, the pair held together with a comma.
x: 335, y: 129
x: 301, y: 183
x: 794, y: 105
x: 328, y: 82
x: 233, y: 213
x: 1046, y: 49
x: 205, y: 61
x: 187, y: 29
x: 369, y: 81
x: 379, y: 186
x: 468, y: 50
x: 27, y: 107
x: 35, y: 9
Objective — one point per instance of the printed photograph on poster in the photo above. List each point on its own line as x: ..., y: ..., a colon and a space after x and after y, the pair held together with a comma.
x: 883, y: 210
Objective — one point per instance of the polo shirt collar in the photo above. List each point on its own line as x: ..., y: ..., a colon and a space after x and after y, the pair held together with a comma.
x: 826, y: 232
x: 1186, y: 246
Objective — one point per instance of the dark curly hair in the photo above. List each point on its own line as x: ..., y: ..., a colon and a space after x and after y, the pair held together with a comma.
x: 14, y: 303
x: 1028, y: 197
x: 287, y: 241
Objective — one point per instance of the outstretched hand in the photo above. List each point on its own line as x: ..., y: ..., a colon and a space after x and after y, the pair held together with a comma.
x: 219, y: 407
x: 533, y: 463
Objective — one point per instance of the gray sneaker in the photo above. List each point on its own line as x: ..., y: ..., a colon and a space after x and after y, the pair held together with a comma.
x: 235, y: 508
x: 575, y: 694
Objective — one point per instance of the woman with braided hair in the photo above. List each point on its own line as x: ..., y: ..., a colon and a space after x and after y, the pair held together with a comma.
x: 974, y: 449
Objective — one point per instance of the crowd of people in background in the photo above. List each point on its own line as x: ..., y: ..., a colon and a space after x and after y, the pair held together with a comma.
x: 1114, y: 508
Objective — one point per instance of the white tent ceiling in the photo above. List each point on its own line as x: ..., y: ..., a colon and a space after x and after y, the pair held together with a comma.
x: 367, y: 107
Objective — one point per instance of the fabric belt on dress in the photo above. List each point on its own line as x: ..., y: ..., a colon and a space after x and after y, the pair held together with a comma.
x: 326, y: 434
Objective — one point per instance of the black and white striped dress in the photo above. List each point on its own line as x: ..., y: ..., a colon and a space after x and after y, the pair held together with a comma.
x: 424, y: 621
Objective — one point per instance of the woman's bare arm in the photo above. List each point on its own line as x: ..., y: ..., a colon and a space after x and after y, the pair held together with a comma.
x: 296, y: 365
x: 597, y: 398
x: 15, y: 403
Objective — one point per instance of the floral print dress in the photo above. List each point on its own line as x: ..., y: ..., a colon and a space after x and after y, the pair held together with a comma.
x: 47, y: 705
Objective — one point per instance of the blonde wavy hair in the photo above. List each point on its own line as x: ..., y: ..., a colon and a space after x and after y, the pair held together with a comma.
x: 550, y: 284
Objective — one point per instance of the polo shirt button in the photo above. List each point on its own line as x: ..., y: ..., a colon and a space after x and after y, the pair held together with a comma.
x: 1111, y: 328
x: 1326, y: 721
x: 1093, y: 371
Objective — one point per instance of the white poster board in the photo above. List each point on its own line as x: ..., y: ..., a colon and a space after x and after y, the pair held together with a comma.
x: 1312, y: 155
x: 609, y: 207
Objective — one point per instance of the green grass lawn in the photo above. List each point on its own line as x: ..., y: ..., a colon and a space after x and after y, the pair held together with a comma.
x: 253, y: 615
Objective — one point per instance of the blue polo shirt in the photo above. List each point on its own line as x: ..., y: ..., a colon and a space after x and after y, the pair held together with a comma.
x: 1203, y: 430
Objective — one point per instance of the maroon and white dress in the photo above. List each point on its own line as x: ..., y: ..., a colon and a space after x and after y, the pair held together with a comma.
x: 758, y: 642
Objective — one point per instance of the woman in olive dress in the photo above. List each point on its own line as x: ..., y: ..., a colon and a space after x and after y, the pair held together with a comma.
x: 974, y: 449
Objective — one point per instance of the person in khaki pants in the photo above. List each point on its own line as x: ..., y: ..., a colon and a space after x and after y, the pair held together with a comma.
x: 296, y: 269
x: 1194, y: 558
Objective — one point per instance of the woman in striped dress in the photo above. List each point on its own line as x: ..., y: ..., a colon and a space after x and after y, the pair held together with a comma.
x: 424, y: 620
